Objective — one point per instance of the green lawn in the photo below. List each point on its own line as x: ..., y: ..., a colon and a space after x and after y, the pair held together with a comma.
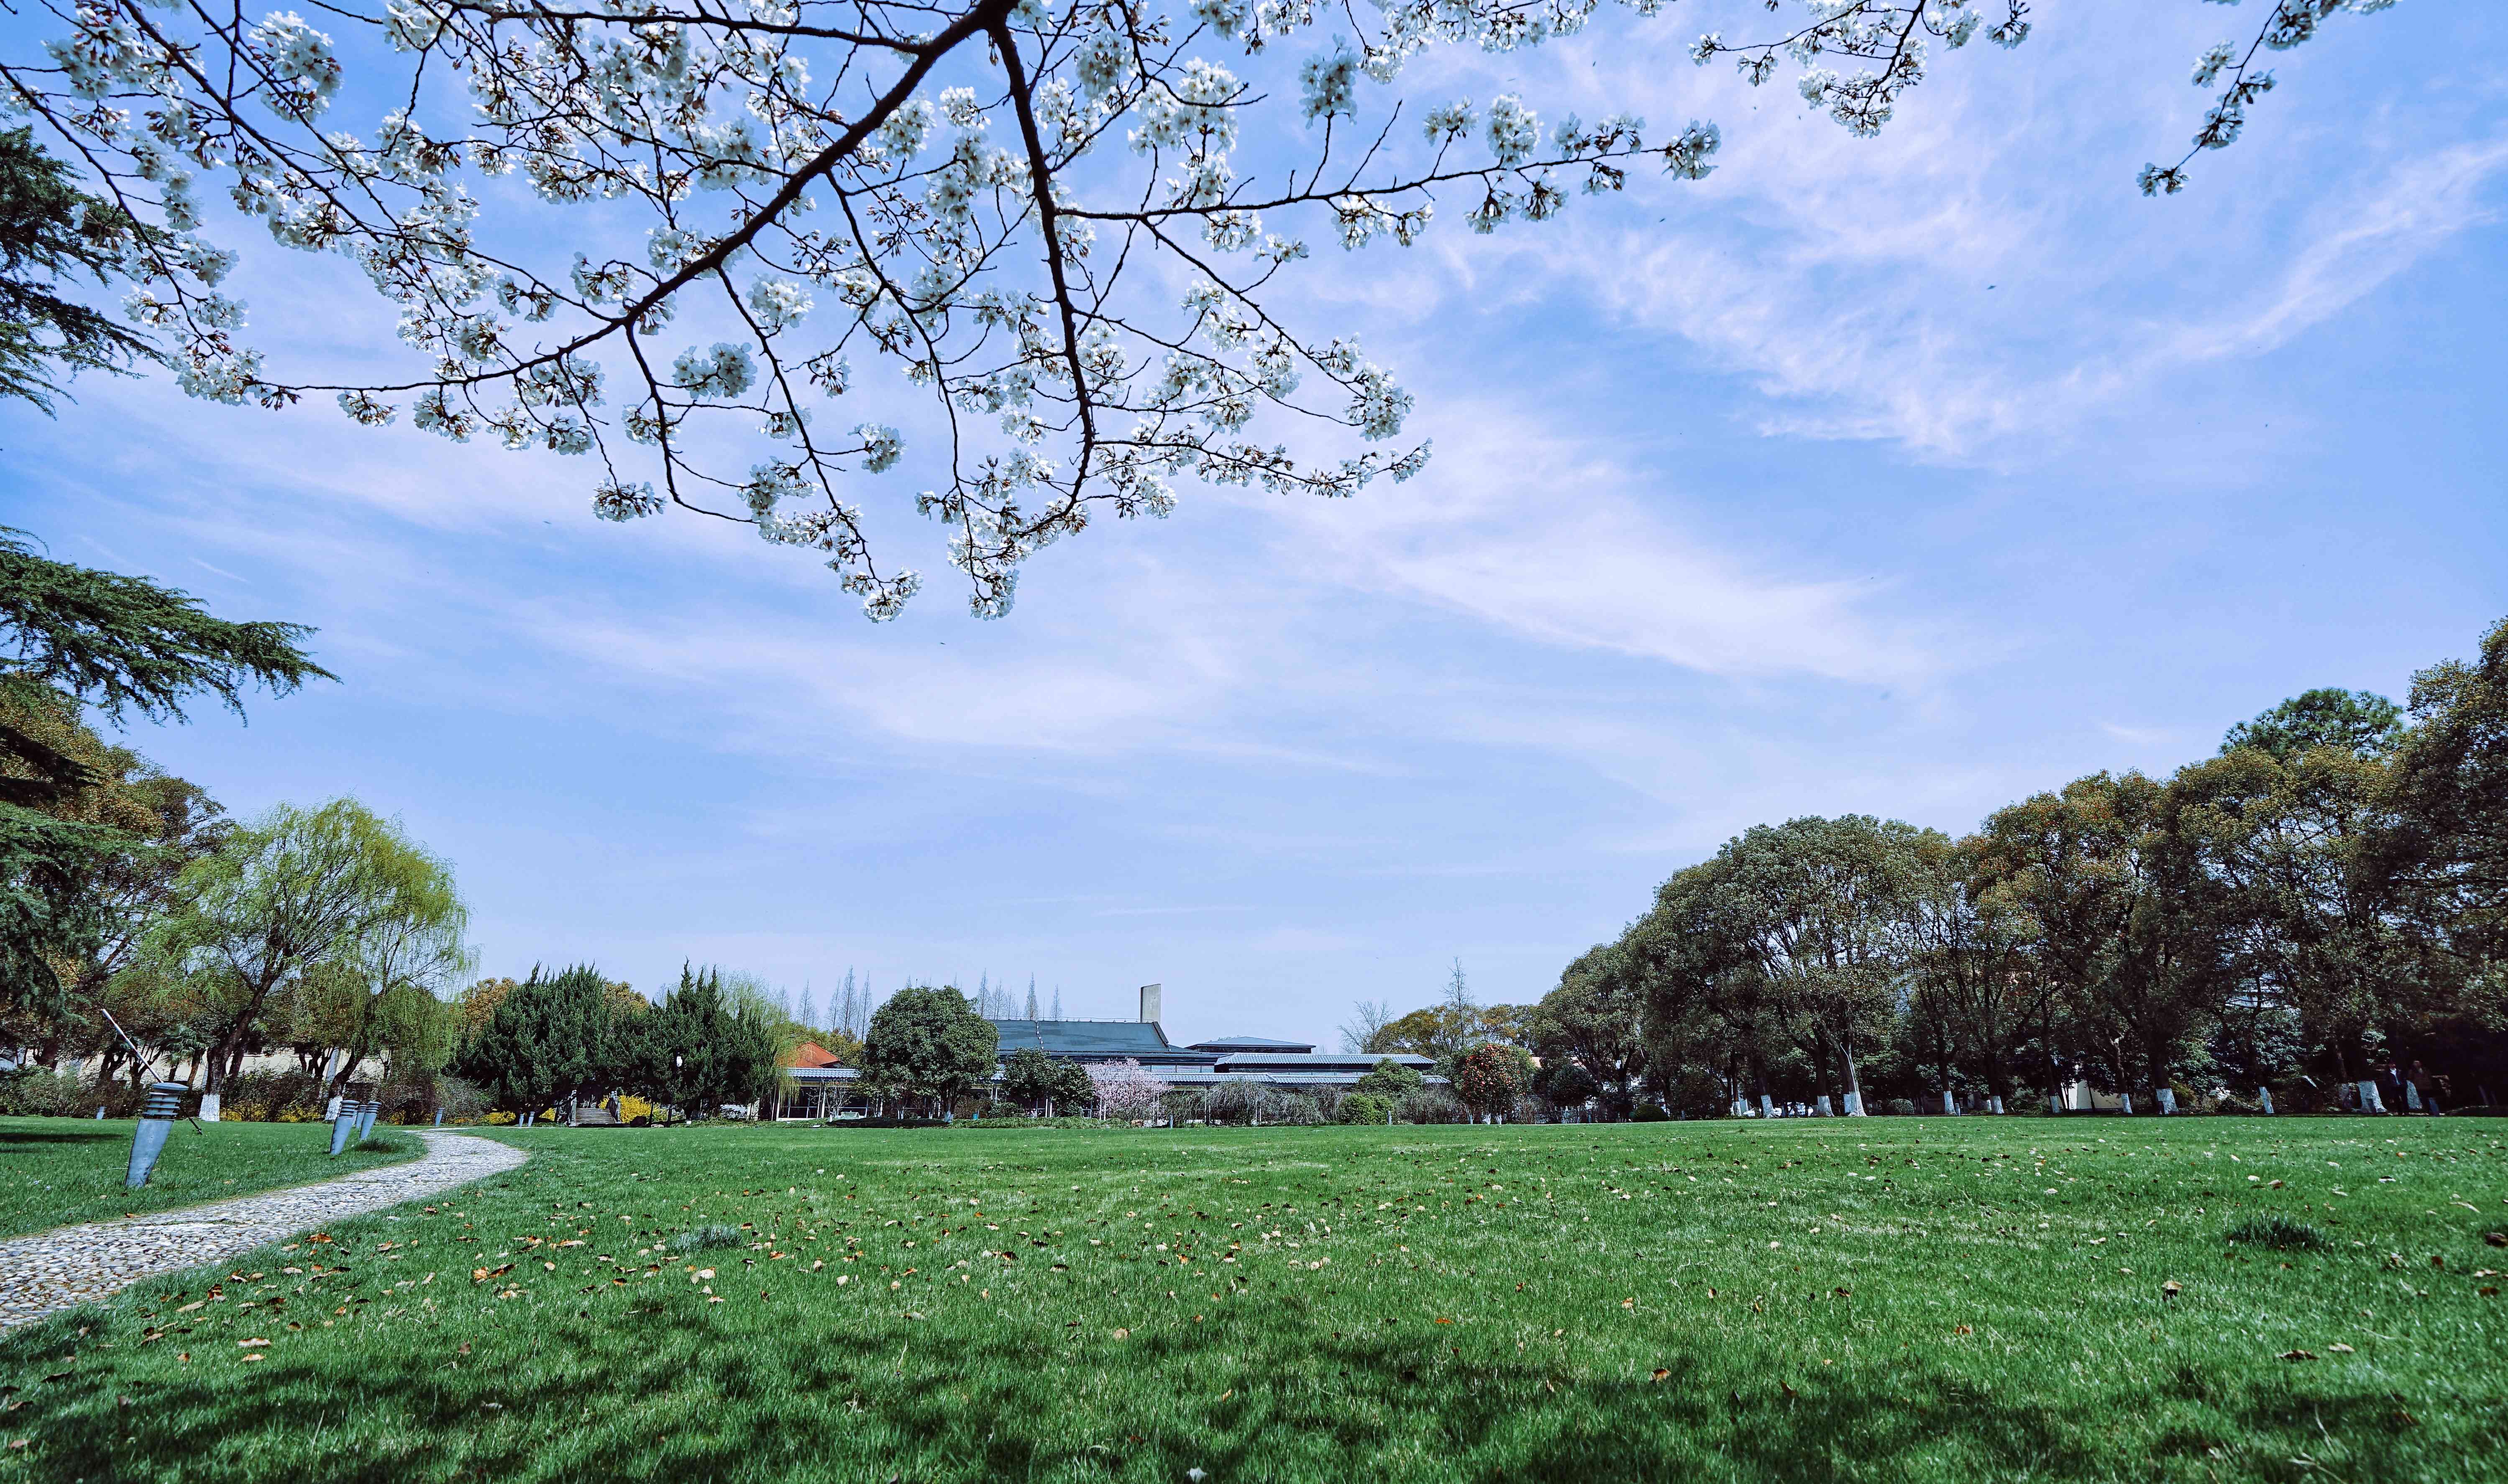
x: 1896, y: 1300
x: 57, y: 1170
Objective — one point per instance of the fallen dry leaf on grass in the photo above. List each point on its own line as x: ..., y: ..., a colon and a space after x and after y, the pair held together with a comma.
x: 2299, y: 1355
x: 1660, y: 1374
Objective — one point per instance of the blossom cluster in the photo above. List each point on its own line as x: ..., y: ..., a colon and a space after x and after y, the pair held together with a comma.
x: 989, y: 216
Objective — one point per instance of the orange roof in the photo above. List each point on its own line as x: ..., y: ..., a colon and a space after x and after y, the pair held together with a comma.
x: 811, y: 1053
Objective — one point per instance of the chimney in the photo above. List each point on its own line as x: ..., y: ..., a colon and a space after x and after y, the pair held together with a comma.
x: 1150, y: 1004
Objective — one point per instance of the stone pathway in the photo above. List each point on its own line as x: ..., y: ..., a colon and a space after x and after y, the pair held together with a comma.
x: 75, y: 1265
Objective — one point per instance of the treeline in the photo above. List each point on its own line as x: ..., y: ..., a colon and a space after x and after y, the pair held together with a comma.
x: 558, y: 1040
x: 142, y: 930
x: 2322, y: 905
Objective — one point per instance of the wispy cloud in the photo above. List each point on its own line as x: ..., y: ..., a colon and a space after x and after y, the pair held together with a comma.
x: 1527, y: 527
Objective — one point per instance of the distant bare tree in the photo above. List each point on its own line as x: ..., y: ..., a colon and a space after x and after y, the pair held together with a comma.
x: 1367, y: 1017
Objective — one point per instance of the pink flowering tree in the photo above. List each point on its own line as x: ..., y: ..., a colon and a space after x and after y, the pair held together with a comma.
x: 1127, y: 1089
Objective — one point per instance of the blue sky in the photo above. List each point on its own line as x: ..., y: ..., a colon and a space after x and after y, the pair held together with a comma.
x: 1903, y: 476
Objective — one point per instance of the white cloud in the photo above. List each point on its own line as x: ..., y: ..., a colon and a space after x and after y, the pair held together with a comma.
x: 2352, y: 247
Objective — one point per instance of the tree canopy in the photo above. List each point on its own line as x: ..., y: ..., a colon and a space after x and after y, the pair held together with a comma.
x: 2326, y: 895
x: 928, y: 1042
x: 2347, y: 721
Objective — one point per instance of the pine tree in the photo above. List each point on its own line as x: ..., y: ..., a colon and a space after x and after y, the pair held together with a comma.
x: 1031, y: 996
x: 51, y: 231
x: 73, y: 637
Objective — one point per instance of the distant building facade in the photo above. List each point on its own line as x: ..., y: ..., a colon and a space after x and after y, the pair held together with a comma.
x: 820, y: 1088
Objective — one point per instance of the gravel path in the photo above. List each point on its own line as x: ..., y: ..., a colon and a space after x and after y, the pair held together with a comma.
x: 82, y: 1264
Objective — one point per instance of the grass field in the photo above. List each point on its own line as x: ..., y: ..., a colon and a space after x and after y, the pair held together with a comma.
x: 57, y: 1170
x: 1893, y: 1300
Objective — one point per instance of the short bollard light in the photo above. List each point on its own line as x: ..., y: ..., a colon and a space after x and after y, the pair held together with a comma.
x: 366, y: 1119
x: 155, y: 1120
x: 342, y: 1126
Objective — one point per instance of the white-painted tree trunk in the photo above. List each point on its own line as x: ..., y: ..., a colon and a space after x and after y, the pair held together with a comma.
x: 2266, y: 1094
x: 2370, y: 1102
x: 1994, y: 1105
x: 1767, y: 1106
x: 2412, y: 1097
x: 2126, y: 1100
x: 2167, y: 1098
x: 1822, y: 1106
x: 1854, y: 1104
x: 1949, y: 1107
x: 331, y: 1109
x: 209, y: 1107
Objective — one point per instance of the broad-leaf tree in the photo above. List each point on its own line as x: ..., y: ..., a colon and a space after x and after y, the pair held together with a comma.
x: 1820, y: 909
x: 2128, y: 920
x: 1596, y: 1021
x: 291, y: 890
x: 928, y: 1042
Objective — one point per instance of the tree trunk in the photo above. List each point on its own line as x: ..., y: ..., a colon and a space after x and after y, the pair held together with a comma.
x: 1854, y: 1085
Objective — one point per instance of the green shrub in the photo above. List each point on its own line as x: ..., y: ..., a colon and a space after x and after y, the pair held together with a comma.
x: 270, y: 1097
x: 1365, y: 1108
x: 39, y: 1093
x: 1698, y: 1092
x: 2277, y: 1232
x: 1901, y: 1107
x: 1648, y: 1113
x: 1428, y: 1105
x: 1390, y: 1078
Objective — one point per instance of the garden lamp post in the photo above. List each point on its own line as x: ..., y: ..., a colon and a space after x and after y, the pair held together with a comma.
x: 155, y: 1120
x: 343, y: 1123
x: 367, y: 1115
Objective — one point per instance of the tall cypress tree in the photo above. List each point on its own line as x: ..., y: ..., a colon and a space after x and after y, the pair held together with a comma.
x: 551, y: 1039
